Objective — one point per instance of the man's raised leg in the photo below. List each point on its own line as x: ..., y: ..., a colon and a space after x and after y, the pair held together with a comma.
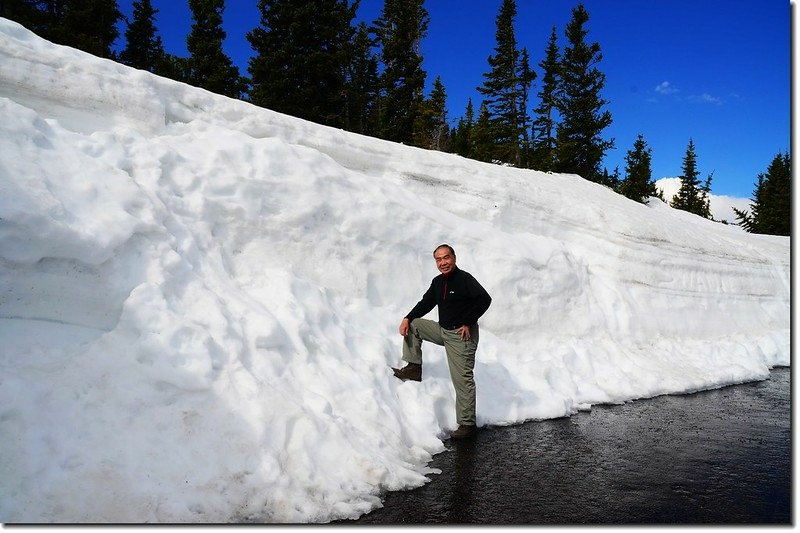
x: 420, y: 330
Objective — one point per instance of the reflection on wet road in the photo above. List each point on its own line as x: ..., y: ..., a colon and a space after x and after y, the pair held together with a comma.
x: 715, y: 457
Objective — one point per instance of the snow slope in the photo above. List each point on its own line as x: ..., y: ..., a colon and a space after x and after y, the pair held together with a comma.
x: 199, y: 300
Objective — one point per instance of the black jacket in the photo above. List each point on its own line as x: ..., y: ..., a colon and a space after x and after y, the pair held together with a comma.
x: 460, y: 298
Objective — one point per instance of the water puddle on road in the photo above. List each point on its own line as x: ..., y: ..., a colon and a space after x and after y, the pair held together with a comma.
x: 713, y: 457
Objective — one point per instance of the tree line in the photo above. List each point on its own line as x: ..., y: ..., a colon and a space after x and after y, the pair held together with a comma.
x: 312, y: 61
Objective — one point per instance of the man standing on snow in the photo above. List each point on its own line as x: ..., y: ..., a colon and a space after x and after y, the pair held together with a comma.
x: 461, y: 301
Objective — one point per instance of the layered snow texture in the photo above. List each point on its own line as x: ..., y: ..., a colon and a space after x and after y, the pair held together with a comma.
x: 199, y: 300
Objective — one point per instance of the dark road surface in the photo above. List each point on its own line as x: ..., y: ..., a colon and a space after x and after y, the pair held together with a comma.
x: 715, y: 457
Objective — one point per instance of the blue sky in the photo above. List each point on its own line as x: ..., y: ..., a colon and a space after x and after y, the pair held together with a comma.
x: 715, y: 71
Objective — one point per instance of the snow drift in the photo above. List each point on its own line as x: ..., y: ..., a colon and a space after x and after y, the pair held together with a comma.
x: 199, y: 300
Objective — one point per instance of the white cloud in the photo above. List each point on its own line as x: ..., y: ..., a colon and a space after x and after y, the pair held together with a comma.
x: 665, y: 87
x: 706, y: 98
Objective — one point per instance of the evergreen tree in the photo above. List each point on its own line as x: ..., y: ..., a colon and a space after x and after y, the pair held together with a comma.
x: 526, y: 76
x: 638, y: 184
x: 174, y: 67
x: 89, y: 25
x: 482, y: 148
x: 431, y: 130
x: 612, y: 181
x: 40, y: 16
x: 441, y: 129
x: 705, y: 198
x: 211, y: 68
x: 462, y: 137
x: 579, y: 146
x: 692, y: 196
x: 362, y: 85
x: 771, y: 208
x: 505, y: 87
x: 745, y: 219
x: 544, y: 126
x: 144, y: 49
x: 399, y: 31
x: 304, y: 54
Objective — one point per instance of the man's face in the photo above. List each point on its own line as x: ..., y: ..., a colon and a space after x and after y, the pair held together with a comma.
x: 445, y: 261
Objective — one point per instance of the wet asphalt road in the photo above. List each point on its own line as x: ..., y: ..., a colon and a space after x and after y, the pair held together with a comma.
x: 714, y: 457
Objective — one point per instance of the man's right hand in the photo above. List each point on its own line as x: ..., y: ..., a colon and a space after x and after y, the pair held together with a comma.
x: 404, y: 327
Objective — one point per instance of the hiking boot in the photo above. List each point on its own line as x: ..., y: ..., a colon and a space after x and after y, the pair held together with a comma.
x: 463, y: 432
x: 412, y: 371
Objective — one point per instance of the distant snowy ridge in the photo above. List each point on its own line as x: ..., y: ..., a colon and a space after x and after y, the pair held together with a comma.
x: 721, y: 206
x: 199, y: 300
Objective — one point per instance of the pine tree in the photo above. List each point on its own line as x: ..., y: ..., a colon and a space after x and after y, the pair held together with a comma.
x: 544, y: 126
x: 771, y: 208
x: 692, y: 196
x: 705, y: 198
x: 638, y: 184
x: 482, y: 148
x: 440, y: 140
x: 175, y: 67
x: 462, y: 136
x: 399, y: 31
x: 748, y: 220
x: 40, y: 16
x: 211, y: 68
x: 362, y: 85
x: 144, y: 49
x: 612, y: 181
x: 304, y: 53
x: 579, y: 146
x: 432, y: 130
x: 505, y: 87
x: 89, y: 25
x: 526, y: 79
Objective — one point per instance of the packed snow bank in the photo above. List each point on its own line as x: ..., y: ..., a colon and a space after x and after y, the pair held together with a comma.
x: 199, y: 300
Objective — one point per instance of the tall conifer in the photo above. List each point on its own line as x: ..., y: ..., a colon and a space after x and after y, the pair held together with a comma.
x: 462, y: 136
x: 143, y: 48
x: 431, y: 130
x: 89, y: 25
x: 441, y: 130
x: 399, y: 31
x: 303, y: 55
x: 505, y: 87
x: 580, y: 147
x: 638, y: 184
x: 544, y: 125
x: 692, y: 196
x: 482, y: 147
x: 526, y: 79
x: 362, y: 85
x: 210, y: 67
x: 41, y: 17
x: 771, y: 208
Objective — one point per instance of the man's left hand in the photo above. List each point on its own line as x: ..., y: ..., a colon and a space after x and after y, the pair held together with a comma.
x: 464, y: 332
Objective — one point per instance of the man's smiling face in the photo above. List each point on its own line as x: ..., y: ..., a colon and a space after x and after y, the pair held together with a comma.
x: 445, y: 260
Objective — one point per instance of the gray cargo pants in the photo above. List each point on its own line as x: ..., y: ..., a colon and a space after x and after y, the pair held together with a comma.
x: 460, y: 359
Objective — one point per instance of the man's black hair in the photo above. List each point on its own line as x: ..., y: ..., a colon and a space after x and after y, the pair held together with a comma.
x: 453, y: 252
